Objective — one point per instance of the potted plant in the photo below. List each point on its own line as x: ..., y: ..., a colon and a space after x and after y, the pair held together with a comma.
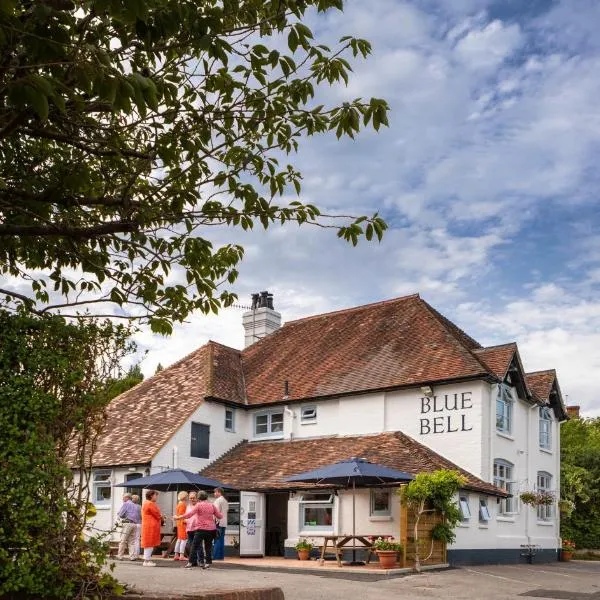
x: 566, y: 552
x: 387, y: 551
x: 566, y: 507
x: 303, y: 547
x: 528, y: 498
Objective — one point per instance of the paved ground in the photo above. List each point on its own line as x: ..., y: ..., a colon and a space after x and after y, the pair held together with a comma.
x: 577, y: 580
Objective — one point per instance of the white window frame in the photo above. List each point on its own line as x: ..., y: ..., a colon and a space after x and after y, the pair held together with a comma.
x: 545, y: 428
x: 231, y: 428
x: 380, y: 513
x: 465, y: 509
x: 231, y: 528
x: 506, y: 400
x: 545, y: 512
x: 102, y: 483
x: 305, y: 502
x: 269, y: 415
x: 484, y: 511
x: 308, y: 414
x: 504, y: 479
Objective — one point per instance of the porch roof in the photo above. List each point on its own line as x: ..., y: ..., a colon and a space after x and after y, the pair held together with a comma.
x: 262, y: 466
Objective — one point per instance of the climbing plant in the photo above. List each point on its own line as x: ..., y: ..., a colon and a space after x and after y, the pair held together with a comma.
x: 433, y: 492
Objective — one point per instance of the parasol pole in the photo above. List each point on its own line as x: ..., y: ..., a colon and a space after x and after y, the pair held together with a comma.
x: 353, y: 520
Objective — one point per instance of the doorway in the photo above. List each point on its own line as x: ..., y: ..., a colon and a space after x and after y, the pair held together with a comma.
x: 276, y: 525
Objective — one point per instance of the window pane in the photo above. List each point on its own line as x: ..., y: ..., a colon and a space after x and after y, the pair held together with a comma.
x: 102, y: 493
x: 276, y: 422
x: 465, y: 511
x: 380, y: 502
x: 261, y: 423
x: 229, y: 420
x: 317, y: 516
x: 233, y: 514
x: 102, y: 476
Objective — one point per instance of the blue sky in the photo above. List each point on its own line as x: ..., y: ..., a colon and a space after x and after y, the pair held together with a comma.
x: 487, y: 175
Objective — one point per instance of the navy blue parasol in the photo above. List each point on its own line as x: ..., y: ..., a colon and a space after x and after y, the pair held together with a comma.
x: 174, y: 480
x: 350, y: 473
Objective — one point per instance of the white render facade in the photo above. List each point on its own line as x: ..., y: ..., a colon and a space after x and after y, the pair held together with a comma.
x: 458, y: 422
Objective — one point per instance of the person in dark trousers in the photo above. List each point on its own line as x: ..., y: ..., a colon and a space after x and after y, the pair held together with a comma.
x: 205, y: 514
x: 222, y: 506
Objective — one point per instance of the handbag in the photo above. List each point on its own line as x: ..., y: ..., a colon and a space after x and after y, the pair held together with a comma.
x: 217, y: 533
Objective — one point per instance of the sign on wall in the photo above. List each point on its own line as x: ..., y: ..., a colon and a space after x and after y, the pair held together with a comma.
x: 445, y: 414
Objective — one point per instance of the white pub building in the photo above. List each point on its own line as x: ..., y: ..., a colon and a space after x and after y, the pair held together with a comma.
x: 394, y: 382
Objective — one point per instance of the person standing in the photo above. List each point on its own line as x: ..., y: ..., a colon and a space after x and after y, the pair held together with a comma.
x: 138, y: 528
x: 130, y: 515
x: 222, y: 506
x: 205, y: 534
x: 191, y: 526
x: 151, y: 521
x: 181, y: 528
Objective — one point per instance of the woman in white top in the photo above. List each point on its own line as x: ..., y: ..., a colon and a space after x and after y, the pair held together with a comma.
x: 222, y: 506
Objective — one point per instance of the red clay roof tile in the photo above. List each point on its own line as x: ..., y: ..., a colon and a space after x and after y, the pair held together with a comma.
x: 264, y: 465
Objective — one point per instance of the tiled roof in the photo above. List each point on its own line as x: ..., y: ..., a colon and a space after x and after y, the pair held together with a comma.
x: 264, y: 465
x: 395, y: 343
x: 497, y: 358
x: 141, y: 420
x: 540, y: 383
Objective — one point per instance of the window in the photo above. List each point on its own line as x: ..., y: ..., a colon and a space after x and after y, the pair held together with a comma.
x: 308, y: 414
x: 545, y: 427
x: 544, y: 484
x: 233, y: 513
x: 268, y: 423
x: 484, y: 513
x: 102, y: 487
x: 381, y: 505
x: 130, y: 477
x: 503, y: 478
x: 229, y: 419
x: 316, y: 512
x: 465, y: 511
x: 200, y: 440
x: 504, y: 408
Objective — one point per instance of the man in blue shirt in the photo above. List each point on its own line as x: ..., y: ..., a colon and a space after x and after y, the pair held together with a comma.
x: 130, y: 515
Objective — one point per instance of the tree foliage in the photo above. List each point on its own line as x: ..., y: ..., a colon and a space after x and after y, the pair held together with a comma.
x: 118, y: 385
x: 53, y: 390
x: 129, y: 128
x: 580, y: 480
x: 429, y: 492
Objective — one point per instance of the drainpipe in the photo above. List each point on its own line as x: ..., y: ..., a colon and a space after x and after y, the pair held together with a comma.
x: 531, y: 408
x: 290, y: 412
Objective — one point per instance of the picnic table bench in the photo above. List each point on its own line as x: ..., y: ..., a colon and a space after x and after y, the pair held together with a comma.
x: 339, y: 542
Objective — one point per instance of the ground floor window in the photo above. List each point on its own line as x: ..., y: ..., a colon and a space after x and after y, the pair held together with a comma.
x: 316, y: 512
x: 504, y: 479
x: 484, y: 513
x: 465, y: 510
x: 233, y: 512
x: 381, y: 503
x: 544, y: 484
x: 101, y: 486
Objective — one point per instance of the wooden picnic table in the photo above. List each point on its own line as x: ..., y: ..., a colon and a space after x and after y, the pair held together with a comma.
x: 339, y: 542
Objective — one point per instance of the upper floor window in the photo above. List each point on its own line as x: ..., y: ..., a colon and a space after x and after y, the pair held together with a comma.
x: 308, y: 414
x: 381, y: 504
x: 545, y: 427
x: 200, y: 447
x: 316, y: 512
x: 504, y: 479
x: 229, y: 419
x: 544, y: 484
x: 101, y: 486
x: 268, y: 423
x: 465, y: 510
x: 504, y: 408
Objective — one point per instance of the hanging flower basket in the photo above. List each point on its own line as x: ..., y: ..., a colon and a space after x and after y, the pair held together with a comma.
x: 566, y: 507
x: 541, y: 498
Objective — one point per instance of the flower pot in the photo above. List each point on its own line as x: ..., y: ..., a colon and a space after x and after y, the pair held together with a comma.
x: 303, y: 554
x: 387, y: 558
x: 566, y: 555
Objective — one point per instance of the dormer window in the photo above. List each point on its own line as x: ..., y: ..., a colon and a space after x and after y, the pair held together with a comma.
x: 504, y: 408
x: 545, y: 428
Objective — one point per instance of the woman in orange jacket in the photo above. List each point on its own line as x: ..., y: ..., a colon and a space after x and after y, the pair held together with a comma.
x: 151, y: 521
x: 181, y: 528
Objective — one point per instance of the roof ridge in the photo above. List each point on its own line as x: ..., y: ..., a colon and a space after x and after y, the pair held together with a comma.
x: 483, y: 348
x: 214, y: 343
x: 542, y: 371
x: 352, y: 309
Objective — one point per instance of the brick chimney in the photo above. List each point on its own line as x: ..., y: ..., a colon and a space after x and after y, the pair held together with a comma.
x: 573, y: 411
x: 261, y: 320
